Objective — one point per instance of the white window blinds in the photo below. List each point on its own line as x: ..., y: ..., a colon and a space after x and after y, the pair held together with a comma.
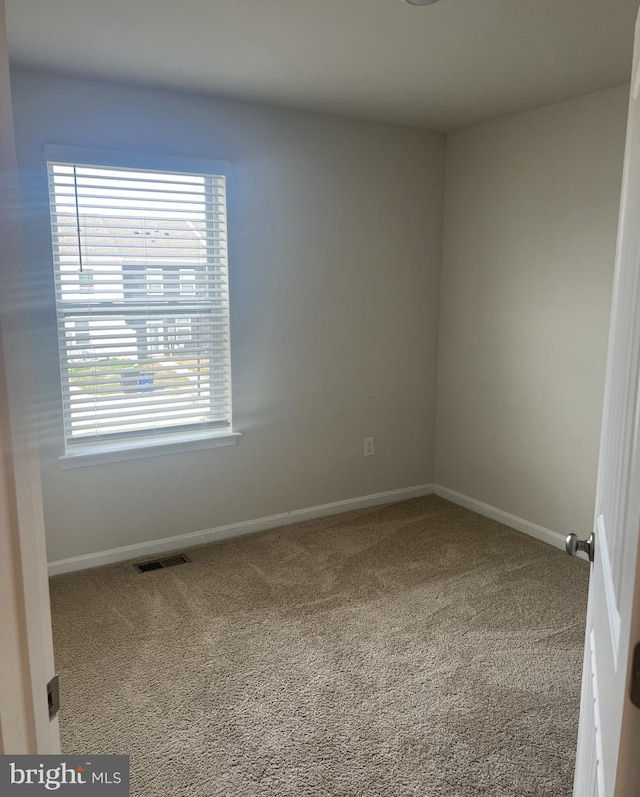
x: 140, y: 261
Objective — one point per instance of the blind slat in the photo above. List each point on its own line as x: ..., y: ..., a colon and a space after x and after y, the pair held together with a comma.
x: 143, y: 385
x: 112, y: 419
x: 135, y: 311
x: 107, y: 403
x: 126, y: 174
x: 69, y: 223
x: 134, y: 430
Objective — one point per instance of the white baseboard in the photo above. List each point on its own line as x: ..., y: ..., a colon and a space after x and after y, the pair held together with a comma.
x: 192, y: 539
x: 513, y: 521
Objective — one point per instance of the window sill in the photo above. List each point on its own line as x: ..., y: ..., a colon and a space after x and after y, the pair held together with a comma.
x: 169, y: 444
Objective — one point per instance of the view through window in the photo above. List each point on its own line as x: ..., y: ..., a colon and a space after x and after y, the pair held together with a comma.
x: 140, y: 260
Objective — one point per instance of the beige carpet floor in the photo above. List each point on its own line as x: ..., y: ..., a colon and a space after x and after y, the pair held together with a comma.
x: 410, y: 649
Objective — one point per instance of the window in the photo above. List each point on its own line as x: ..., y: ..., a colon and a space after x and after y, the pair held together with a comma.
x: 140, y: 261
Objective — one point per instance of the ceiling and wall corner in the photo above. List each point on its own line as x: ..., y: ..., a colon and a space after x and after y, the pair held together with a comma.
x: 442, y: 67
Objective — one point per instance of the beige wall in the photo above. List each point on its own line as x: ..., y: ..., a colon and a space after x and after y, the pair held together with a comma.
x: 335, y: 232
x: 529, y: 239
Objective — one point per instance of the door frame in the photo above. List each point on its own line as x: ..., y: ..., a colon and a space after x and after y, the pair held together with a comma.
x: 26, y: 663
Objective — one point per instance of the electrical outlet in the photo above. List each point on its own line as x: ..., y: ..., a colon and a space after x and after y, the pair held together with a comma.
x: 369, y: 449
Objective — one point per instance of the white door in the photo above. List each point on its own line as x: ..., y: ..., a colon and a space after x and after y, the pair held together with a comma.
x: 608, y: 761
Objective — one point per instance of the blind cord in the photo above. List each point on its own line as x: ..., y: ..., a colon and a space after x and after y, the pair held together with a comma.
x: 75, y: 193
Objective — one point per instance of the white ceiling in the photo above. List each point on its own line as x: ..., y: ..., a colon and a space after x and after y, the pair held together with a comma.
x: 441, y: 66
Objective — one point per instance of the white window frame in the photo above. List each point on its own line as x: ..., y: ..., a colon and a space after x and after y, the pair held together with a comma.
x: 172, y: 439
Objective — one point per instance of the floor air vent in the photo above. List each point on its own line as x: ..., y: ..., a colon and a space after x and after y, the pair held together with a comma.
x: 158, y: 564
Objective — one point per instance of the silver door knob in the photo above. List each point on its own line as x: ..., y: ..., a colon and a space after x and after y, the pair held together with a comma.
x: 572, y: 545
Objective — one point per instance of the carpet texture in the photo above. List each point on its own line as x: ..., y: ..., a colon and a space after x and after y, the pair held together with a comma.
x: 410, y: 649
